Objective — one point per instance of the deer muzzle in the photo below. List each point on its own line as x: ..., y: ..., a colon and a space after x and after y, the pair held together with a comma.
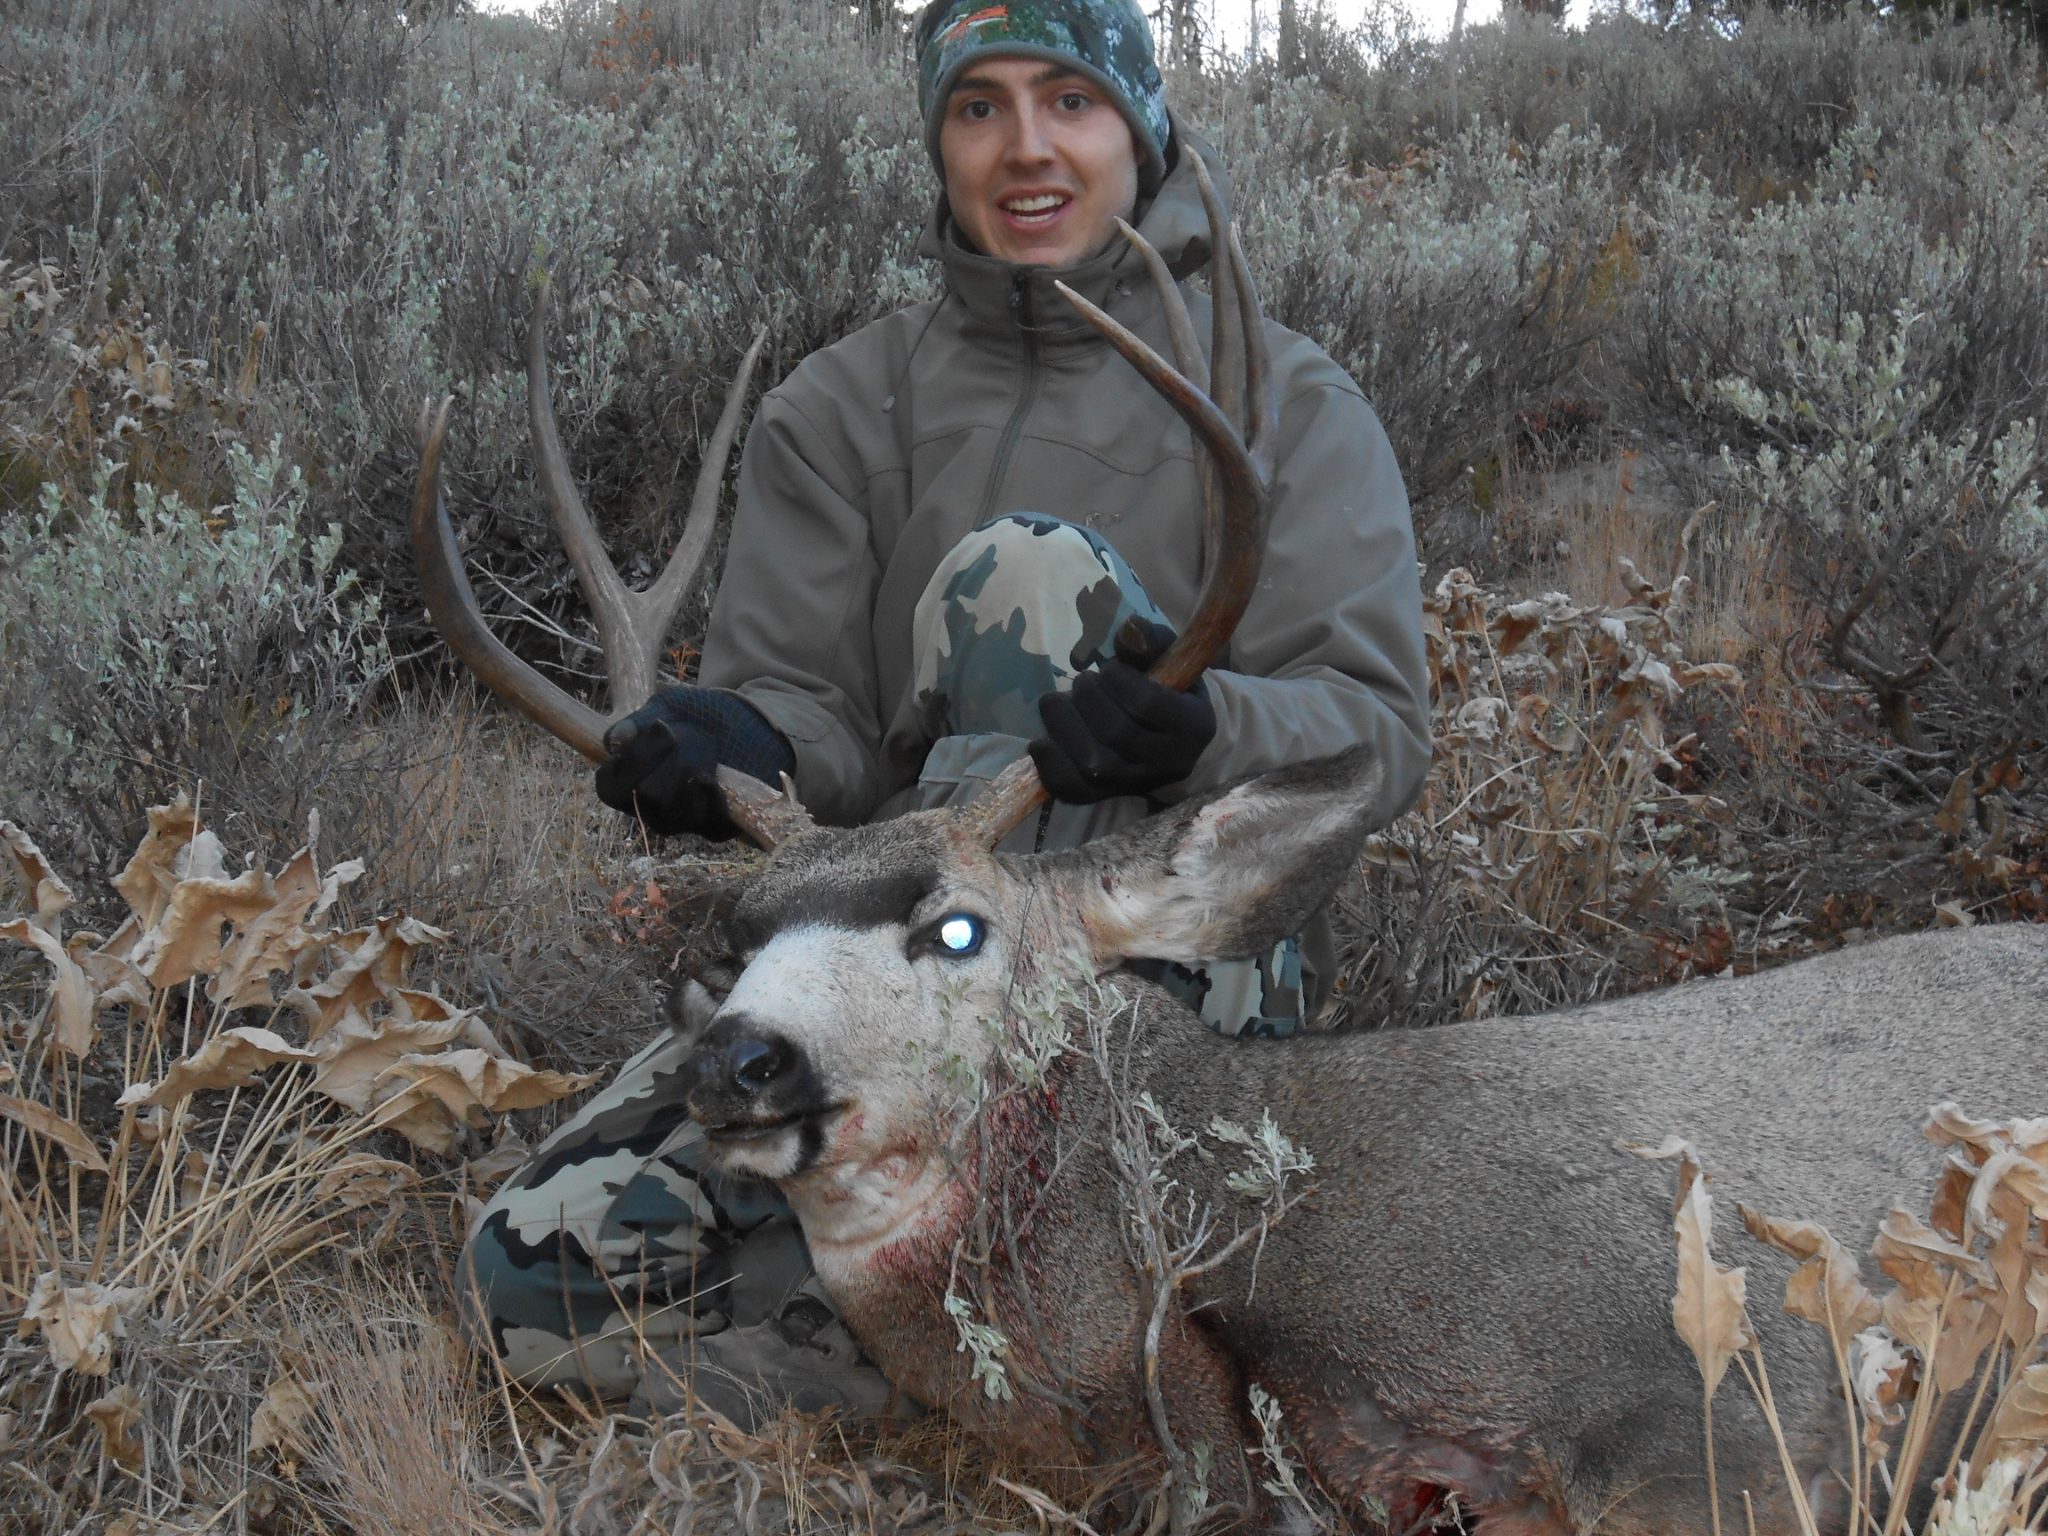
x: 748, y: 1082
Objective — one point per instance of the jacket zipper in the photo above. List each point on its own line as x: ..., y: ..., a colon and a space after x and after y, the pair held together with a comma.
x: 1020, y: 301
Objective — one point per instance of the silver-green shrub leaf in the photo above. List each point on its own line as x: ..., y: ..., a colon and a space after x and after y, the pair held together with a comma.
x: 126, y: 629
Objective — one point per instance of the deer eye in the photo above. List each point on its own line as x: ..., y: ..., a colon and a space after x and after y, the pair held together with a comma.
x: 959, y: 934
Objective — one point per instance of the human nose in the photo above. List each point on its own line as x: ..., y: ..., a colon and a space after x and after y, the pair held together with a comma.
x: 1029, y: 142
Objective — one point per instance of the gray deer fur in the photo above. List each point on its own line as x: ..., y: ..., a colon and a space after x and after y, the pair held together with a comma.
x: 1474, y: 1296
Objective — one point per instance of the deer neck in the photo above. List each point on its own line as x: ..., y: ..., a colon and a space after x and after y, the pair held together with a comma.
x: 884, y: 1220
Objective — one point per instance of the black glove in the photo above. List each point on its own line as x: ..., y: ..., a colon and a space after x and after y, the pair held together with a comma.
x: 665, y: 757
x: 1119, y: 733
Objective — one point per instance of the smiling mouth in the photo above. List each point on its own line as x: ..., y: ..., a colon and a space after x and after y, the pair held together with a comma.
x: 1042, y: 209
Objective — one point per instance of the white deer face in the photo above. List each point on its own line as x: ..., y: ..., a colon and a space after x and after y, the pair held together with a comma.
x: 877, y: 964
x: 885, y: 966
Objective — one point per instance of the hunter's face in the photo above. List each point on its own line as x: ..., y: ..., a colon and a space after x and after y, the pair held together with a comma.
x: 1039, y: 162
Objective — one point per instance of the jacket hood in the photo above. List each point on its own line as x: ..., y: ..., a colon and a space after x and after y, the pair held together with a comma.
x: 1174, y: 221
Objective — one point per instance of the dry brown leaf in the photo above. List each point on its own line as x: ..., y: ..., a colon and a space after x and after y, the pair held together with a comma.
x: 470, y: 1080
x: 74, y: 1006
x: 356, y: 1051
x: 1920, y: 1260
x: 109, y: 965
x: 146, y: 881
x: 410, y: 1005
x: 1957, y: 805
x: 1707, y: 1308
x: 1516, y: 622
x: 1952, y: 1196
x: 47, y: 893
x: 1916, y: 1255
x: 511, y: 1152
x: 1827, y: 1288
x: 1971, y: 1327
x: 287, y: 1402
x: 2020, y: 1426
x: 374, y: 970
x: 2014, y: 1261
x: 423, y: 1121
x: 275, y: 941
x: 230, y: 1059
x: 117, y: 1414
x: 2011, y: 1172
x: 187, y: 940
x: 1882, y: 1374
x: 195, y: 1177
x: 362, y: 1179
x: 78, y: 1323
x: 1723, y: 672
x: 45, y: 1121
x: 1923, y: 1262
x: 1947, y: 1123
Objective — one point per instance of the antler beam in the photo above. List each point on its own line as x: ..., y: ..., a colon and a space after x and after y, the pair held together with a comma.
x: 1237, y: 466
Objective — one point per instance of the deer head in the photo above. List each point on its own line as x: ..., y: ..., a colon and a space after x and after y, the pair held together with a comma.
x: 887, y: 970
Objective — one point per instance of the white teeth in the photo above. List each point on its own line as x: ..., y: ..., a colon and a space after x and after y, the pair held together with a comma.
x: 1030, y: 205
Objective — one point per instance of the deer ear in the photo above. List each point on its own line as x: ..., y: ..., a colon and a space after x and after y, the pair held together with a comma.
x: 1227, y: 876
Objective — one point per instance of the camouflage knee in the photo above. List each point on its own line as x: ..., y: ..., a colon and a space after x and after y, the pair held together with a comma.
x: 1011, y: 614
x: 1260, y: 997
x: 610, y: 1244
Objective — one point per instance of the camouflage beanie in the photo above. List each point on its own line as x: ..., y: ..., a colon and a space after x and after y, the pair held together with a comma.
x: 1106, y: 40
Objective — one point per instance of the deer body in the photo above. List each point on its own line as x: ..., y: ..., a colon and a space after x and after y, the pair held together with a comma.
x: 1476, y: 1295
x: 1500, y: 1317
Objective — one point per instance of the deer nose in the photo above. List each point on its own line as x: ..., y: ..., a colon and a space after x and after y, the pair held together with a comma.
x: 754, y: 1062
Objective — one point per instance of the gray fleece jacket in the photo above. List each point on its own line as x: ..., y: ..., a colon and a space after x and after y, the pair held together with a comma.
x: 879, y: 453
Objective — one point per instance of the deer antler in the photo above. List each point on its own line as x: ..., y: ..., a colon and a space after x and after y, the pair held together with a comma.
x: 1237, y: 469
x: 632, y: 625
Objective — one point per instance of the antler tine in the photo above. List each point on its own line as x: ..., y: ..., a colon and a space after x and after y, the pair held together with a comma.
x: 1180, y: 329
x: 629, y: 664
x: 1262, y: 412
x: 764, y: 815
x: 666, y: 595
x: 1226, y: 336
x: 1236, y: 516
x: 451, y: 604
x: 632, y: 626
x: 1233, y: 569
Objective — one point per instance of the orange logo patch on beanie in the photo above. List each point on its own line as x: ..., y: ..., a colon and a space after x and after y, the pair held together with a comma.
x: 978, y: 18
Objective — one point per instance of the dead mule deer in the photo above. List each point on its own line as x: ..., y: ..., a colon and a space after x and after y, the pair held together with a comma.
x: 992, y: 1151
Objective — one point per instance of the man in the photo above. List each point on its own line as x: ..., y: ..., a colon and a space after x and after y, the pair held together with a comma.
x: 943, y: 520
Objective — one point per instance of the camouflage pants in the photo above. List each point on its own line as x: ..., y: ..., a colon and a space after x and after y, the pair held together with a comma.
x: 610, y: 1246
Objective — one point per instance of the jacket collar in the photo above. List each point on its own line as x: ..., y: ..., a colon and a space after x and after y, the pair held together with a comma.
x: 1009, y: 298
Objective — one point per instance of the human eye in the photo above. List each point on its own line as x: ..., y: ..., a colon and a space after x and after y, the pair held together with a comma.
x: 1075, y: 101
x: 974, y: 109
